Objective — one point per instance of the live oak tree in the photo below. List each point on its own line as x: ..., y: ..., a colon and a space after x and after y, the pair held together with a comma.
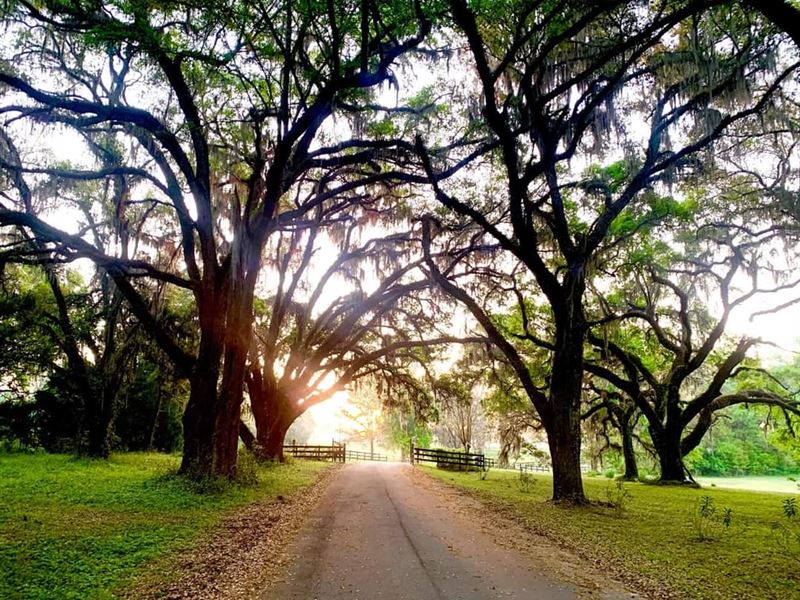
x: 223, y: 114
x: 667, y: 343
x: 92, y: 331
x: 654, y: 84
x: 351, y: 303
x: 611, y: 420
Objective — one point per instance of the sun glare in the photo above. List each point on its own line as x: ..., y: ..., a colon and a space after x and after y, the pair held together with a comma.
x: 329, y: 422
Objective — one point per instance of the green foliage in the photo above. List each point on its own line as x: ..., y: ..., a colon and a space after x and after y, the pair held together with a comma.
x: 525, y: 482
x: 789, y: 506
x: 27, y: 350
x: 787, y: 532
x: 404, y: 427
x: 737, y: 445
x: 87, y: 528
x: 150, y: 413
x: 619, y: 497
x: 708, y: 522
x: 651, y: 542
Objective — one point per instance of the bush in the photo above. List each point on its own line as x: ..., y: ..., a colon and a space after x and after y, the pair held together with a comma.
x: 525, y: 482
x: 247, y: 469
x: 708, y: 522
x: 619, y: 498
x: 787, y: 533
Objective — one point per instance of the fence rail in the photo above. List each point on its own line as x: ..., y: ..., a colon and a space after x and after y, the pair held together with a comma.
x: 528, y: 467
x: 334, y: 452
x: 448, y: 458
x: 370, y: 456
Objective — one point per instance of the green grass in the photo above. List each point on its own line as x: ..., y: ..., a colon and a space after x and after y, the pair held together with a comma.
x: 86, y: 529
x: 655, y: 536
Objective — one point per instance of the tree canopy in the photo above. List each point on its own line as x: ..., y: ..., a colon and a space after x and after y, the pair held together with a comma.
x: 281, y: 199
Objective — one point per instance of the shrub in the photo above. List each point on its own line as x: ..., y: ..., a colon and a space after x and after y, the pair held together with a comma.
x: 787, y: 533
x: 618, y: 497
x: 247, y: 469
x: 708, y: 522
x: 525, y: 482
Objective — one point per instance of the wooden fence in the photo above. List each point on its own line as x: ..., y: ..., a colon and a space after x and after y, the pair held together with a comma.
x: 528, y: 467
x: 334, y: 452
x: 356, y: 455
x: 448, y: 458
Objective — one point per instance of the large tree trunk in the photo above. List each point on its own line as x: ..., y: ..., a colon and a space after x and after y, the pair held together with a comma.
x: 564, y: 438
x: 628, y: 453
x: 272, y: 431
x: 198, y: 425
x: 210, y: 430
x: 272, y: 447
x: 563, y: 423
x: 211, y: 419
x: 563, y: 427
x: 100, y: 422
x: 273, y: 415
x: 667, y: 442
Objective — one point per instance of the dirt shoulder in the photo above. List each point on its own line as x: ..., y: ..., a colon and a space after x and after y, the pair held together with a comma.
x: 591, y: 576
x: 240, y: 556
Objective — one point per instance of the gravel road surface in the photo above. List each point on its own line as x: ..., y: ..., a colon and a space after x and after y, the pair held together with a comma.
x: 378, y: 533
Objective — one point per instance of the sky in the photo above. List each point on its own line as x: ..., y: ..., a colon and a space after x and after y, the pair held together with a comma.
x: 779, y: 329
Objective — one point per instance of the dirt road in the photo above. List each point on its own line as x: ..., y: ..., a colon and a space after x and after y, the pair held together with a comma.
x: 380, y: 532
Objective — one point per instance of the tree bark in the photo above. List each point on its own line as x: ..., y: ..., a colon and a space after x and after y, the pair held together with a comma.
x: 667, y: 443
x: 273, y: 416
x: 628, y: 453
x: 271, y: 441
x: 247, y: 437
x: 198, y: 425
x: 100, y: 423
x: 563, y: 421
x: 564, y: 440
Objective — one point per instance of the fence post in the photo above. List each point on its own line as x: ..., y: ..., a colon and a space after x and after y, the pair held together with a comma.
x: 411, y: 453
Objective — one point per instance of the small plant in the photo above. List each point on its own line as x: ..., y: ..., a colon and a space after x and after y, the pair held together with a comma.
x: 525, y: 482
x: 787, y: 533
x: 247, y: 469
x: 789, y: 506
x: 618, y: 497
x: 709, y: 522
x: 483, y: 473
x: 610, y: 473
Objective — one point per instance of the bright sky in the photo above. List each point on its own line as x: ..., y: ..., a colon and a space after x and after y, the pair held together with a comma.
x: 780, y: 328
x: 328, y: 420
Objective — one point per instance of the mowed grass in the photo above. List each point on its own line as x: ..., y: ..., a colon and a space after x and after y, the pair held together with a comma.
x: 85, y: 529
x: 655, y: 536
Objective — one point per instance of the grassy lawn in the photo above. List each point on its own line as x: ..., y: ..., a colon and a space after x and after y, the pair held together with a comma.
x: 655, y: 536
x: 85, y: 529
